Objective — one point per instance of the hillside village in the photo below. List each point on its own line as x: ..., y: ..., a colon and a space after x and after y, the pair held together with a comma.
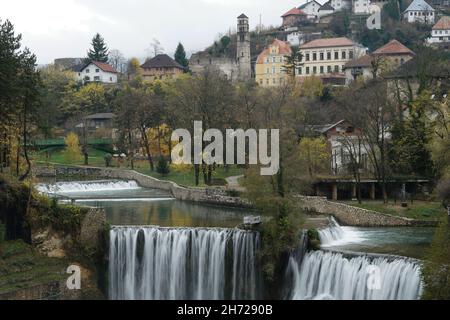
x: 227, y: 173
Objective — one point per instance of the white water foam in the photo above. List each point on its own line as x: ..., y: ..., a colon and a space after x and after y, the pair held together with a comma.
x: 327, y: 275
x: 336, y: 235
x: 150, y: 263
x: 87, y: 186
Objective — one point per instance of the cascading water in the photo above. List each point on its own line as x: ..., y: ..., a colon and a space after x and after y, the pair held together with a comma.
x: 328, y: 275
x: 336, y: 235
x: 87, y: 186
x: 150, y: 263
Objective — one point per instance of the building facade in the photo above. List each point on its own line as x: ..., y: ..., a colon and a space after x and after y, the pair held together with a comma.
x: 293, y: 17
x: 270, y: 65
x: 95, y: 71
x: 419, y: 11
x: 161, y: 67
x: 441, y: 31
x: 324, y: 57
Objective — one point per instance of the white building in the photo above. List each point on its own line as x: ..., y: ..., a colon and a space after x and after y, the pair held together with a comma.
x: 326, y: 9
x: 441, y: 31
x: 311, y: 8
x: 361, y: 6
x: 419, y: 11
x: 96, y: 71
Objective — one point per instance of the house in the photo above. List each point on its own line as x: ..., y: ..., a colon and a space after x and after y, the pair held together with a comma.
x: 99, y: 125
x: 293, y: 17
x: 419, y: 11
x: 342, y: 137
x: 361, y: 6
x: 327, y: 57
x: 441, y: 31
x: 297, y: 38
x: 161, y: 67
x: 326, y: 9
x: 385, y: 59
x: 395, y: 53
x: 96, y: 71
x: 67, y: 63
x: 359, y: 68
x: 311, y: 8
x: 270, y: 64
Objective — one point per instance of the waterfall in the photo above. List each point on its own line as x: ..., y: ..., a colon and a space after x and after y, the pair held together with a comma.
x: 328, y: 275
x: 336, y: 235
x: 87, y: 186
x: 150, y: 263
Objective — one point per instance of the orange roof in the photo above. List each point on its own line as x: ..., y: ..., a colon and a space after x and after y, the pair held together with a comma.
x: 330, y: 42
x: 442, y: 24
x: 283, y: 48
x: 393, y: 47
x: 104, y: 66
x: 293, y: 12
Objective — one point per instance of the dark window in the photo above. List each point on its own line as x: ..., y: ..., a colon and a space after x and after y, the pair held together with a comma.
x: 321, y: 69
x: 314, y: 70
x: 344, y: 55
x: 336, y: 55
x: 314, y: 56
x: 307, y: 57
x: 328, y: 55
x: 307, y: 70
x: 322, y: 56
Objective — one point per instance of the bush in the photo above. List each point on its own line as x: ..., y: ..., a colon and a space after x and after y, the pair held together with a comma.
x: 162, y: 167
x: 108, y: 159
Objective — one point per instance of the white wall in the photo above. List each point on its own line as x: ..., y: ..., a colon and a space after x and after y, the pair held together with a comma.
x: 419, y: 16
x: 95, y: 74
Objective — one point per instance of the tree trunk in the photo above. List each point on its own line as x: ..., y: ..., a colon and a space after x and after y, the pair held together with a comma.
x: 147, y: 149
x: 18, y: 157
x: 197, y: 174
x: 25, y: 149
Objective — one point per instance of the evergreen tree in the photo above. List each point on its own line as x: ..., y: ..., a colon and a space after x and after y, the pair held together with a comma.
x: 162, y: 167
x: 99, y: 51
x: 180, y: 57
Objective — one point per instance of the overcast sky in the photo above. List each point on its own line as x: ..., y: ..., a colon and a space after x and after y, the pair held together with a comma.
x: 64, y: 28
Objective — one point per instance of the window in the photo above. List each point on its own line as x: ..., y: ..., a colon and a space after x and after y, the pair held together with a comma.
x: 274, y: 59
x: 274, y: 81
x: 336, y: 68
x: 110, y: 79
x: 307, y: 57
x: 336, y: 55
x: 307, y: 70
x: 351, y: 55
x: 273, y: 70
x: 314, y: 56
x: 261, y: 81
x: 267, y: 81
x: 97, y: 70
x: 300, y: 70
x: 314, y: 70
x: 322, y: 56
x: 329, y: 55
x: 96, y: 78
x: 321, y: 69
x: 87, y: 70
x: 329, y: 69
x: 402, y: 61
x: 344, y: 55
x: 267, y: 71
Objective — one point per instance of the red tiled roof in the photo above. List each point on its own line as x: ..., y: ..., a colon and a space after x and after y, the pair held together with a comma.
x: 330, y: 42
x: 442, y: 24
x: 105, y: 67
x: 393, y: 47
x: 293, y: 12
x: 284, y: 49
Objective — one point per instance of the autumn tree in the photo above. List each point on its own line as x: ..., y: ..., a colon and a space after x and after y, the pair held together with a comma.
x: 72, y: 152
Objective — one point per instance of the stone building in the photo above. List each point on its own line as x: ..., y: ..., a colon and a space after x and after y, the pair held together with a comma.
x: 237, y: 65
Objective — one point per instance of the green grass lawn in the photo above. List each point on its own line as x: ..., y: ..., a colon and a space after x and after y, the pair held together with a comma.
x: 58, y: 156
x: 21, y: 267
x: 186, y: 177
x: 422, y: 210
x: 183, y: 176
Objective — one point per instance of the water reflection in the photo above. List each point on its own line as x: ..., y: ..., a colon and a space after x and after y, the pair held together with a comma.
x: 168, y: 213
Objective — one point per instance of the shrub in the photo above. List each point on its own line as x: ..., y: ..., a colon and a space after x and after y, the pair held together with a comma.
x: 162, y: 167
x: 108, y: 159
x: 444, y: 192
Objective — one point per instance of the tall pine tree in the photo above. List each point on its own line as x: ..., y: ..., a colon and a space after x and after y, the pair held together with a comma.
x: 180, y: 57
x: 99, y: 50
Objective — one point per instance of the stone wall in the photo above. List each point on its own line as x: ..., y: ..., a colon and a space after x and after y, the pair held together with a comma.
x: 358, y: 217
x: 215, y: 196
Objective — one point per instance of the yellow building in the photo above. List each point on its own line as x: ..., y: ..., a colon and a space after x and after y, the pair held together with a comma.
x: 270, y: 69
